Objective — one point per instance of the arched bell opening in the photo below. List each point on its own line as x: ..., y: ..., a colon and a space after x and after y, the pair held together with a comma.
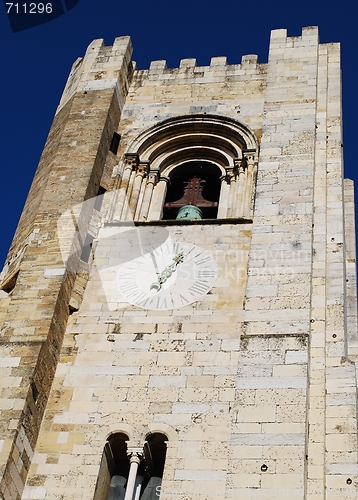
x: 155, y: 449
x: 180, y: 159
x: 193, y: 184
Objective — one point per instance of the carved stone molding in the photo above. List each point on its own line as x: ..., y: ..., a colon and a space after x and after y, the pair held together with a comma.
x: 153, y: 177
x: 131, y: 160
x: 250, y: 157
x: 143, y: 168
x: 135, y: 454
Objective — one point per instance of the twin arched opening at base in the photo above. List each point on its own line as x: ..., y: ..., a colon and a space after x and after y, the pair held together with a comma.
x: 131, y: 473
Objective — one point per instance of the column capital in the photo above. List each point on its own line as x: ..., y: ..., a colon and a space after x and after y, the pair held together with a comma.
x: 240, y: 165
x: 143, y: 168
x: 231, y: 173
x: 131, y: 160
x: 153, y: 176
x: 164, y: 178
x: 237, y: 163
x: 135, y: 455
x: 249, y: 156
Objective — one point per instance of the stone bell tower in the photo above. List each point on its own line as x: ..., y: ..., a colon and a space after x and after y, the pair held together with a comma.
x: 178, y: 305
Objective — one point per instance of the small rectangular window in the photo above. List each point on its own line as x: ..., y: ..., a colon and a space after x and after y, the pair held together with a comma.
x: 86, y: 250
x: 115, y: 143
x: 9, y: 285
x: 99, y: 199
x: 34, y: 390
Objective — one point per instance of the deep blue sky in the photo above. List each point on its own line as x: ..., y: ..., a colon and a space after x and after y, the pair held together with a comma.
x: 35, y: 63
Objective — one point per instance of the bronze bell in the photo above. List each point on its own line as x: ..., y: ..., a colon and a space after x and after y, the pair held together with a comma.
x: 189, y: 212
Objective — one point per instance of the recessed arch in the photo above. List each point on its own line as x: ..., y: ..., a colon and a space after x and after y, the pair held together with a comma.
x: 191, y: 140
x: 150, y: 159
x: 170, y: 161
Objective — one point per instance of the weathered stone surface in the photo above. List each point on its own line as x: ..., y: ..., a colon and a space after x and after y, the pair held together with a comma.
x: 252, y: 377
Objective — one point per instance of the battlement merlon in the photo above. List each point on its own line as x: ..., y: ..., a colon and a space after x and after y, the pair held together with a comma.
x: 309, y: 34
x: 102, y: 67
x: 279, y: 40
x: 105, y: 67
x: 218, y: 67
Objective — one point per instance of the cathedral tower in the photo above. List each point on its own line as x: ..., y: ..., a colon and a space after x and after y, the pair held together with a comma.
x: 178, y: 305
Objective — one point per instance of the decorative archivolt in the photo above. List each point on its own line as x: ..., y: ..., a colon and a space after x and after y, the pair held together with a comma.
x: 151, y: 157
x: 231, y: 132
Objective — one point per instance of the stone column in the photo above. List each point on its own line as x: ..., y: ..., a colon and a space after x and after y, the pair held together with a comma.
x: 140, y: 199
x: 152, y: 179
x: 131, y: 162
x: 135, y: 457
x: 232, y: 175
x: 224, y: 197
x: 158, y: 199
x: 130, y: 185
x: 249, y: 157
x: 242, y: 170
x: 142, y: 170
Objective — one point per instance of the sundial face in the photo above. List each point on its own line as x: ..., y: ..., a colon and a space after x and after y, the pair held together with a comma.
x: 168, y: 276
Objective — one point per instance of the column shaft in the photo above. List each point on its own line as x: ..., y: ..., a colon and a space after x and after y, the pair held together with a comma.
x: 151, y: 181
x: 134, y: 464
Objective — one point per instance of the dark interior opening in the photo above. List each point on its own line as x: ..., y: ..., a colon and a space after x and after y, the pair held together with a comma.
x: 116, y: 458
x: 180, y: 193
x: 34, y: 390
x: 72, y: 309
x: 115, y: 143
x: 9, y: 285
x: 155, y: 449
x: 86, y: 249
x: 116, y: 452
x: 99, y: 198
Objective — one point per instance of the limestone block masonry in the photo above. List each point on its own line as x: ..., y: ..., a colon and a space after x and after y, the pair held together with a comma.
x: 233, y: 337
